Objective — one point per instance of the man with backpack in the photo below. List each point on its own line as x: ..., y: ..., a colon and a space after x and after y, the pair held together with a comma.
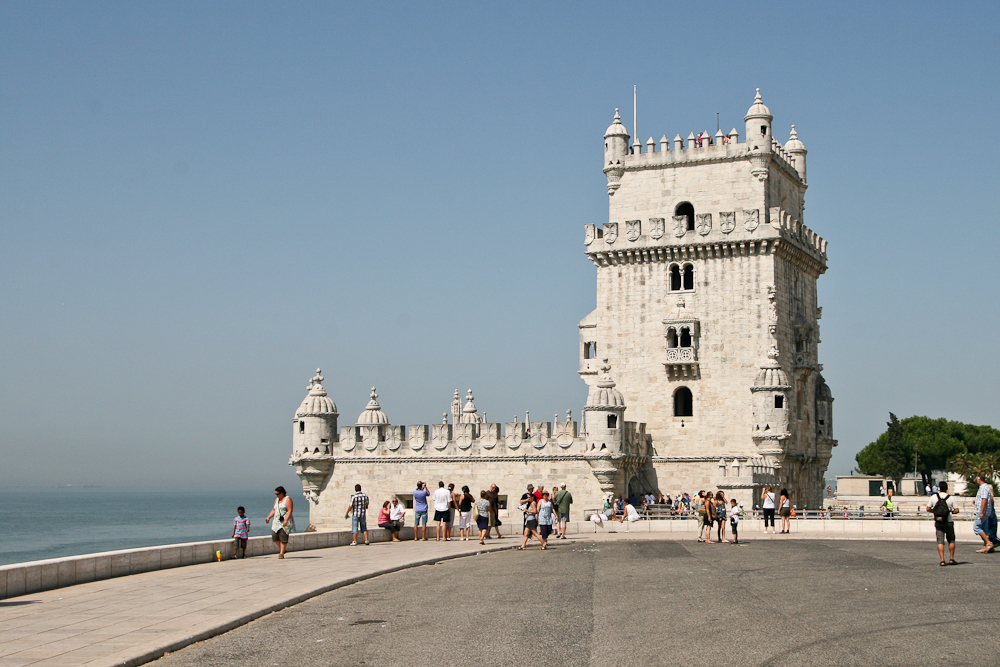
x: 943, y: 507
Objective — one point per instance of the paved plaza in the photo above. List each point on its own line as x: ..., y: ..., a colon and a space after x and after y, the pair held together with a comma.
x: 642, y: 600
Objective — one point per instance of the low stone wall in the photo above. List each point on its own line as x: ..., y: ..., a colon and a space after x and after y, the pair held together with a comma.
x: 41, y: 575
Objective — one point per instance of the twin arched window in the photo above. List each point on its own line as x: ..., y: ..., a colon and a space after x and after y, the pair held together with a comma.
x: 683, y: 402
x: 681, y: 278
x: 679, y: 338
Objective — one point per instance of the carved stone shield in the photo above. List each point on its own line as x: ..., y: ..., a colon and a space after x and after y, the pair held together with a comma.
x: 680, y: 225
x: 703, y: 223
x: 727, y: 221
x: 590, y: 233
x: 610, y: 232
x: 656, y: 228
x: 751, y: 219
x: 632, y: 229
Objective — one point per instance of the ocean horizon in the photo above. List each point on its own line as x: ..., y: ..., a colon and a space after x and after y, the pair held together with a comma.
x: 70, y: 521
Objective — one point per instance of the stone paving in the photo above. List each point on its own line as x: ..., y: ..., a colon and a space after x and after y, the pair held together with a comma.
x: 135, y: 619
x: 132, y: 620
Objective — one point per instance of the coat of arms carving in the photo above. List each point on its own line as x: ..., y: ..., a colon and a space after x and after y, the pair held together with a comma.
x: 610, y: 232
x: 751, y: 219
x: 680, y: 225
x: 703, y: 223
x: 727, y: 221
x: 590, y: 233
x: 656, y: 228
x: 633, y: 228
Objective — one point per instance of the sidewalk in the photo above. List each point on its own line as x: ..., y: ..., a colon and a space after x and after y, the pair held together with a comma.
x: 134, y: 619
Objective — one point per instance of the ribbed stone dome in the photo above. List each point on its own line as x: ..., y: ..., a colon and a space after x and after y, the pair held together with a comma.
x: 469, y: 412
x: 373, y: 413
x: 616, y: 129
x: 604, y: 394
x: 823, y: 392
x: 316, y: 402
x: 794, y: 145
x: 758, y: 109
x: 770, y: 374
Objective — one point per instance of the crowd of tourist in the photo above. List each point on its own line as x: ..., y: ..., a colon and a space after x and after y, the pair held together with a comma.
x: 545, y: 515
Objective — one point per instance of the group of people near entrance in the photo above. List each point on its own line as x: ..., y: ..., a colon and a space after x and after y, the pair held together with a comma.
x: 544, y: 514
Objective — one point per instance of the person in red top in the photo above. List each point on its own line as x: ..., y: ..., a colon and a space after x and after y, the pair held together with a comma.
x: 538, y: 494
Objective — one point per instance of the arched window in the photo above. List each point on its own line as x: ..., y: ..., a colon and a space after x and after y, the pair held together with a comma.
x: 685, y: 337
x: 683, y: 403
x: 612, y: 421
x: 671, y: 337
x: 675, y: 278
x: 685, y: 208
x: 689, y: 277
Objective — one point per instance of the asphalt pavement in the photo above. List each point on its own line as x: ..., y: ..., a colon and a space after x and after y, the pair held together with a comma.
x: 642, y: 602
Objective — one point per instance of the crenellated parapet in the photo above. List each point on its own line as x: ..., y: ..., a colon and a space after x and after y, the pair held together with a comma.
x: 613, y: 448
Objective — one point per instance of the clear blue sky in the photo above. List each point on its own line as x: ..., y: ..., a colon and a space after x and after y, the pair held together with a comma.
x: 200, y: 203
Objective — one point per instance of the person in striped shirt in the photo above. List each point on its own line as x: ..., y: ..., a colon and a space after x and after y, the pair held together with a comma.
x: 241, y: 532
x: 357, y: 511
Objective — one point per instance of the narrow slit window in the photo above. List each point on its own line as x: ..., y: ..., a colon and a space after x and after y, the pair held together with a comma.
x: 302, y: 427
x: 779, y: 402
x: 612, y: 421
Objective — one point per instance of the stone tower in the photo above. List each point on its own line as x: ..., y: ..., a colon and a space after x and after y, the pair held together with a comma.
x: 704, y: 269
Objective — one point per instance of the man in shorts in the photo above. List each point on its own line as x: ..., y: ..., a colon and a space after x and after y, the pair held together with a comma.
x: 358, y: 511
x: 944, y: 524
x: 420, y: 509
x: 562, y: 501
x: 985, y: 524
x: 442, y: 500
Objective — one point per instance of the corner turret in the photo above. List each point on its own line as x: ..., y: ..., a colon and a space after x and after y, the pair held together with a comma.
x: 797, y: 150
x: 615, y: 149
x: 605, y: 416
x: 314, y: 426
x: 770, y: 409
x: 758, y: 124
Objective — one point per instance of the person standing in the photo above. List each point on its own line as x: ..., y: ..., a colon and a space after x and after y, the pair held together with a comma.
x: 357, y: 510
x: 734, y: 520
x: 768, y: 505
x: 709, y: 502
x: 420, y: 511
x: 494, y: 498
x: 720, y: 516
x: 241, y: 532
x: 785, y: 510
x: 943, y: 508
x: 985, y: 523
x: 530, y: 508
x: 452, y: 509
x: 545, y: 516
x: 484, y: 510
x: 563, y: 501
x: 442, y: 500
x: 465, y: 502
x: 281, y: 520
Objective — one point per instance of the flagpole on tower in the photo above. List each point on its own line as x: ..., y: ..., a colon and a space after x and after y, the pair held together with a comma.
x: 635, y: 128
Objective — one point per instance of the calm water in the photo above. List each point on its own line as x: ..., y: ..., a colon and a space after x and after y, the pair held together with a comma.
x: 49, y: 523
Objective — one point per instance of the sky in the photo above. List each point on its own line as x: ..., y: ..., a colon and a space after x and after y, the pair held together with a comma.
x: 201, y: 203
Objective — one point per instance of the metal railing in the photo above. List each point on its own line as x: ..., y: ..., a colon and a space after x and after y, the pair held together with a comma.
x: 856, y: 512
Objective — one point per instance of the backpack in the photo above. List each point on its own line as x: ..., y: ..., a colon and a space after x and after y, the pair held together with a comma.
x: 941, y: 509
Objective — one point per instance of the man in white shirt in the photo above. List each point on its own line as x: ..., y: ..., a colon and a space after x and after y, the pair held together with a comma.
x: 442, y: 497
x: 944, y: 524
x: 629, y: 515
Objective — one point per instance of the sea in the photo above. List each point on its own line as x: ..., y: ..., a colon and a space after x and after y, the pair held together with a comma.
x: 51, y: 523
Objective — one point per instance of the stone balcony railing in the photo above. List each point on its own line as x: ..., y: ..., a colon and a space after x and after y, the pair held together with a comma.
x: 681, y: 362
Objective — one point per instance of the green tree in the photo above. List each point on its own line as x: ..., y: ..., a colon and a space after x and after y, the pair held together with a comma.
x: 928, y: 446
x: 971, y: 466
